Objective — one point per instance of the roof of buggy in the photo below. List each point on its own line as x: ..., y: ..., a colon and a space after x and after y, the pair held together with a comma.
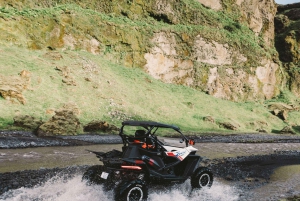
x: 149, y: 124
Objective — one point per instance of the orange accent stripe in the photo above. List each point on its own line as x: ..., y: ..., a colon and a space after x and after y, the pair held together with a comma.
x: 131, y: 167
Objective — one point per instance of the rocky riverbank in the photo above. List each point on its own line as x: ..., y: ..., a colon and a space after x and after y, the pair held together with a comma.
x: 25, y: 139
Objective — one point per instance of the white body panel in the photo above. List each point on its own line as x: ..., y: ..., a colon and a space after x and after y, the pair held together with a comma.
x: 180, y: 153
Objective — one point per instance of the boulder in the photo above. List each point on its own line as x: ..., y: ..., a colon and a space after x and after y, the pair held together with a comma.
x: 26, y: 121
x: 11, y: 87
x: 209, y: 119
x: 281, y: 110
x: 64, y: 122
x: 97, y: 125
x: 228, y: 125
x: 287, y: 130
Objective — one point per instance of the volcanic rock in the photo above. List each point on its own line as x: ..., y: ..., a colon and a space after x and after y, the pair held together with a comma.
x: 64, y: 122
x: 26, y: 121
x: 97, y: 125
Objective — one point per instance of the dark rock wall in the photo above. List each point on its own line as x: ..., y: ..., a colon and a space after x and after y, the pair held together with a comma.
x: 287, y: 42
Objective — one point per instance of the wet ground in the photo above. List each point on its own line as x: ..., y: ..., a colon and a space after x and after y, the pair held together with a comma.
x: 24, y: 139
x: 246, y: 167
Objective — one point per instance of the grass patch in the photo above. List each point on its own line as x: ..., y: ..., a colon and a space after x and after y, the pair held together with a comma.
x: 115, y: 93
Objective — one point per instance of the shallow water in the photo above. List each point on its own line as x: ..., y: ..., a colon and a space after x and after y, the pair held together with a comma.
x: 12, y: 160
x: 49, y: 157
x: 284, y: 182
x: 73, y: 189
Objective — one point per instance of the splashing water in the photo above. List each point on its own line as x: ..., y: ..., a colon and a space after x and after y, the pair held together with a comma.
x: 58, y: 189
x: 218, y: 192
x: 74, y: 189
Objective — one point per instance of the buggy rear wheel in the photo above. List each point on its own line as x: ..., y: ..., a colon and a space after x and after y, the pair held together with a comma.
x: 135, y: 190
x: 202, y: 178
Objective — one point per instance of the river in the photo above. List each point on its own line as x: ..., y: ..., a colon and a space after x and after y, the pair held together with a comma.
x: 283, y: 182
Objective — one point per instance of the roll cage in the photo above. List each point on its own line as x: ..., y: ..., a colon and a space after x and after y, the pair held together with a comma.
x: 149, y: 136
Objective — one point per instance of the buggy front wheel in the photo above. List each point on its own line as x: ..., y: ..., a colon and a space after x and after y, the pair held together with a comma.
x: 202, y: 178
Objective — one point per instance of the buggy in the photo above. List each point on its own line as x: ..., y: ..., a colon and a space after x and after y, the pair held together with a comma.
x: 145, y: 160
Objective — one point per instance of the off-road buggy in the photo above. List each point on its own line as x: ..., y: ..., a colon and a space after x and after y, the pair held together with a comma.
x: 145, y: 160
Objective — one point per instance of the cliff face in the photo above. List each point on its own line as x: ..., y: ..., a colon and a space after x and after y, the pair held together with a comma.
x: 222, y: 47
x: 288, y: 42
x: 217, y: 66
x: 257, y: 14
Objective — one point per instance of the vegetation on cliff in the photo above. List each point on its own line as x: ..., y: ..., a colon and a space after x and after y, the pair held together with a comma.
x: 288, y: 43
x: 102, y: 90
x: 75, y: 54
x: 121, y: 34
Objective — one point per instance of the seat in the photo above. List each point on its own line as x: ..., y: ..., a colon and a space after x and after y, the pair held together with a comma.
x: 139, y: 137
x: 145, y: 140
x: 140, y: 133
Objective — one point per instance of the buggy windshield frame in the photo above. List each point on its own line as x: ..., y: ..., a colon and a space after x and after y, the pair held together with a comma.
x: 150, y: 126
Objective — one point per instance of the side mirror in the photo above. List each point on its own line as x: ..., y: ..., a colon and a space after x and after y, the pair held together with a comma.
x: 192, y: 142
x: 181, y: 141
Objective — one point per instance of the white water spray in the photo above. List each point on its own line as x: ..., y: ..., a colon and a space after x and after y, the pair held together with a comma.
x: 74, y: 189
x: 218, y: 192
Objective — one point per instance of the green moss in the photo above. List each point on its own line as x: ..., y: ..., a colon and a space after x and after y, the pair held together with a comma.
x: 95, y: 21
x: 285, y: 96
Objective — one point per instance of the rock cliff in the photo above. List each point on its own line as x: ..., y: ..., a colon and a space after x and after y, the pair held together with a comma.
x: 288, y: 42
x: 222, y: 47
